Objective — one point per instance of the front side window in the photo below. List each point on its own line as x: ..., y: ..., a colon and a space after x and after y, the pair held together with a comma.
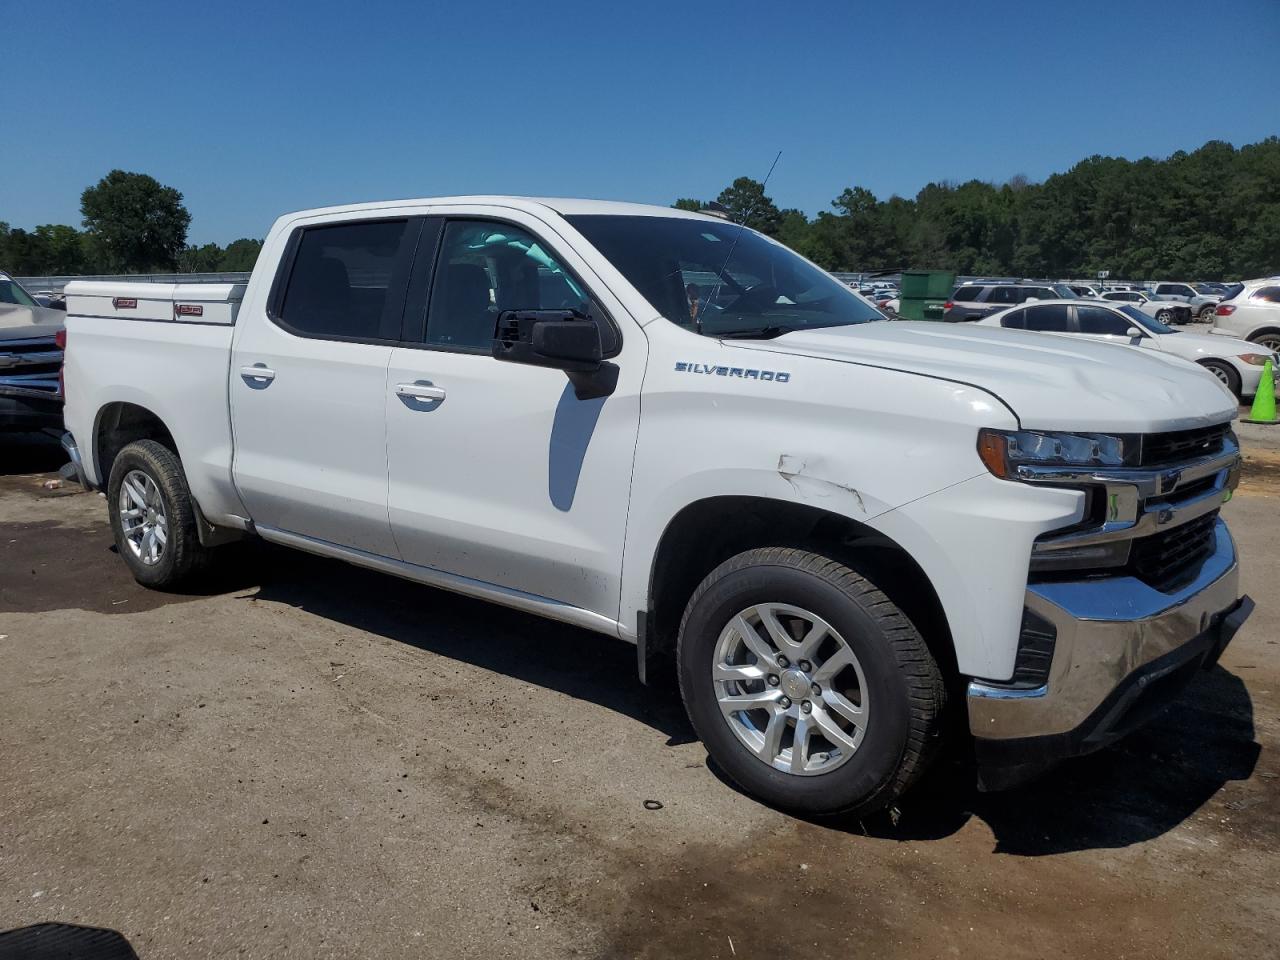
x: 719, y: 279
x: 1267, y: 294
x: 486, y: 267
x: 11, y: 292
x: 1101, y: 321
x: 1003, y: 295
x: 1049, y: 318
x: 340, y: 279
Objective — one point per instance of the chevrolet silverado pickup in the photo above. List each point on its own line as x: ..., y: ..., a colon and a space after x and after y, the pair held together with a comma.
x: 845, y: 537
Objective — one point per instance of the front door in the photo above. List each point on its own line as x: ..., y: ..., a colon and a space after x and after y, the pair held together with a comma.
x: 309, y: 381
x: 498, y: 473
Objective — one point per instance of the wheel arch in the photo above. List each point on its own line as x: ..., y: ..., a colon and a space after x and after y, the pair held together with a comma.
x: 706, y: 532
x: 118, y: 424
x: 1262, y: 332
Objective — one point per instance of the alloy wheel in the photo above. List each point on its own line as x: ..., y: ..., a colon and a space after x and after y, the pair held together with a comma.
x: 143, y: 520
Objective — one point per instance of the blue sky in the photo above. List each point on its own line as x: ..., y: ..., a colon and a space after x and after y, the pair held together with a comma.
x: 253, y: 109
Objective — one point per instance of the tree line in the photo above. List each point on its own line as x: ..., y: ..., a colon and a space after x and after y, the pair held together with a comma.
x: 1212, y: 214
x: 131, y: 224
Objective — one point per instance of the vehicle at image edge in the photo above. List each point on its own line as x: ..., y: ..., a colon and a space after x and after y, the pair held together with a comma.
x: 1202, y: 305
x: 1237, y: 363
x: 973, y: 301
x: 30, y: 361
x: 1162, y: 310
x: 1253, y: 314
x: 844, y: 537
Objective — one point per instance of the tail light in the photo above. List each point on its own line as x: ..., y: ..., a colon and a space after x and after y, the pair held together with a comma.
x: 1224, y: 310
x: 947, y: 306
x: 60, y: 340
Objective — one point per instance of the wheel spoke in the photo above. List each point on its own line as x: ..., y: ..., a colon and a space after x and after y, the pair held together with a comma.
x: 834, y: 664
x: 839, y: 704
x: 732, y: 703
x: 812, y: 640
x: 742, y: 672
x: 780, y: 638
x: 751, y: 637
x: 800, y: 745
x: 136, y: 493
x: 773, y: 736
x: 161, y: 537
x: 832, y: 730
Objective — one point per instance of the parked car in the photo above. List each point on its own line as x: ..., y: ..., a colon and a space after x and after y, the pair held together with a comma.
x: 1253, y: 313
x: 891, y: 306
x: 1237, y: 363
x: 828, y: 528
x: 30, y: 361
x: 1161, y: 310
x: 973, y: 301
x: 1081, y: 290
x: 1202, y: 305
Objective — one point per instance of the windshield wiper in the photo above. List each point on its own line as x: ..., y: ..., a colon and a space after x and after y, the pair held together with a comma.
x: 755, y: 333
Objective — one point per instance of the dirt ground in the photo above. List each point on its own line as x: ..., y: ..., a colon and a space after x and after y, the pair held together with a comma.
x: 317, y: 761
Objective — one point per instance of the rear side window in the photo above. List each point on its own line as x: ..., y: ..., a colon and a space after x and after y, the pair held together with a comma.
x: 1016, y: 320
x: 966, y: 294
x: 1099, y: 320
x: 1003, y: 295
x: 341, y: 278
x: 1269, y: 294
x: 1050, y: 318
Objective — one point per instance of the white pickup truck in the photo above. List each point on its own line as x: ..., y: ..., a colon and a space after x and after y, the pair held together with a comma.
x: 845, y: 536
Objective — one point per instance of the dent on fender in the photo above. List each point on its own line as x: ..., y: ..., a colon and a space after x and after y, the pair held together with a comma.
x: 805, y: 474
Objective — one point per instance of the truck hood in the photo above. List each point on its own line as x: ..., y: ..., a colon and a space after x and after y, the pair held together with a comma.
x: 18, y: 322
x: 1050, y: 383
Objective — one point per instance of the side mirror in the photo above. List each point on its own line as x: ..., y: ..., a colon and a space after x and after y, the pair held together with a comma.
x: 561, y: 339
x: 1133, y: 333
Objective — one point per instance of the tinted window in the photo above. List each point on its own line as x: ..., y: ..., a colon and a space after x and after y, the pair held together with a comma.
x: 1050, y: 318
x: 966, y: 294
x: 1003, y: 295
x: 485, y: 268
x: 719, y: 279
x: 340, y: 279
x: 1040, y: 293
x: 1016, y: 320
x: 1100, y: 320
x: 1269, y: 294
x: 10, y: 292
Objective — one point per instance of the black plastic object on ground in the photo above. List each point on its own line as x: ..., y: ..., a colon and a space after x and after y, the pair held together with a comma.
x: 64, y: 941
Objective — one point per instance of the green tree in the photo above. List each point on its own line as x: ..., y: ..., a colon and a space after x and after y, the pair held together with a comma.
x: 746, y: 202
x: 135, y: 224
x: 688, y: 203
x: 64, y: 250
x: 240, y: 256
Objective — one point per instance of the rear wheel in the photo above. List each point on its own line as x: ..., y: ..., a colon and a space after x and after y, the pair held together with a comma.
x: 1224, y: 372
x: 1206, y: 312
x: 806, y: 684
x: 153, y: 516
x: 1270, y: 340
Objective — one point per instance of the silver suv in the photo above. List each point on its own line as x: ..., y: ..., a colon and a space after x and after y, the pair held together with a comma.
x: 973, y: 301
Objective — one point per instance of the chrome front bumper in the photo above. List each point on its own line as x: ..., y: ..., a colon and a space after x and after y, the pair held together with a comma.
x: 1116, y: 639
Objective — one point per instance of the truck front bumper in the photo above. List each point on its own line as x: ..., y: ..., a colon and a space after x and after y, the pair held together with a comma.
x: 1122, y: 650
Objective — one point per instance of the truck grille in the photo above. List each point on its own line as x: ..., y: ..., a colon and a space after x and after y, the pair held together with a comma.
x: 1167, y: 559
x: 32, y: 364
x: 1160, y: 449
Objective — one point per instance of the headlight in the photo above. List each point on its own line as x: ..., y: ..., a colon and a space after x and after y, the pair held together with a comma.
x: 1257, y: 359
x: 1003, y: 451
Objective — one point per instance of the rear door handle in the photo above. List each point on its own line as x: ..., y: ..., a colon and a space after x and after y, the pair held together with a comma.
x: 259, y: 372
x: 420, y: 391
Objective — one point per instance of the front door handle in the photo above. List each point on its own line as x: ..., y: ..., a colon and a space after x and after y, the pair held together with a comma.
x: 420, y: 391
x: 260, y: 373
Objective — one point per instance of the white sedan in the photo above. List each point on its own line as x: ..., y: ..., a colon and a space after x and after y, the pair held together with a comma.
x: 1237, y: 363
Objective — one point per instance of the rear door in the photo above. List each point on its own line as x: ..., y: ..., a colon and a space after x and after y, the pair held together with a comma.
x: 309, y: 380
x: 498, y: 472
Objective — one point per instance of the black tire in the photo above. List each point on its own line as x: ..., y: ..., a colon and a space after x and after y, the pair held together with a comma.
x: 183, y: 556
x: 1269, y: 339
x: 904, y: 685
x: 1224, y: 372
x: 1206, y: 313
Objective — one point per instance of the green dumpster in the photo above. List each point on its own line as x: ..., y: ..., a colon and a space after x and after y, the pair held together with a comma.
x: 924, y: 292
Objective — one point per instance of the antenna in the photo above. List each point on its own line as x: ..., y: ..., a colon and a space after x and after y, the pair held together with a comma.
x: 715, y: 291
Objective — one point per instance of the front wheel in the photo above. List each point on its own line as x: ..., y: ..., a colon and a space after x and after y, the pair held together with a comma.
x: 1165, y: 316
x: 153, y: 516
x: 1224, y: 372
x: 806, y: 684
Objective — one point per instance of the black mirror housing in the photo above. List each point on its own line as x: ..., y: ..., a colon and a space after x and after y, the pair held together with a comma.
x: 563, y: 339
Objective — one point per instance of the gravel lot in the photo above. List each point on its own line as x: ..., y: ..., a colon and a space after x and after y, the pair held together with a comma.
x: 313, y: 760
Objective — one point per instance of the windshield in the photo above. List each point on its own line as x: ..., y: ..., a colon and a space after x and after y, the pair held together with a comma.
x: 720, y: 280
x: 1142, y: 320
x: 1065, y: 292
x: 10, y: 292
